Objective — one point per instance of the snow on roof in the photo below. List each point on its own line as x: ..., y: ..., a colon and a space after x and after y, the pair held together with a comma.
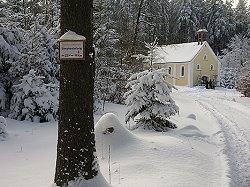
x: 184, y: 52
x: 202, y: 30
x: 70, y: 35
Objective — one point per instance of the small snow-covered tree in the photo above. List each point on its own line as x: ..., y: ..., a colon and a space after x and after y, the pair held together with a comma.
x: 237, y: 53
x: 3, y: 97
x: 40, y: 53
x: 149, y: 102
x: 33, y: 100
x: 10, y: 45
x: 228, y: 78
x: 151, y: 55
x: 243, y: 85
x: 3, y: 124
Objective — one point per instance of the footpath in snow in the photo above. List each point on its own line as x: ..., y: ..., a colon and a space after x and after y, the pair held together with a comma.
x: 232, y: 113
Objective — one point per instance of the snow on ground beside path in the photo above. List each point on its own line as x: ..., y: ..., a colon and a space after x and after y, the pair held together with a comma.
x: 209, y: 148
x: 27, y: 158
x: 176, y: 158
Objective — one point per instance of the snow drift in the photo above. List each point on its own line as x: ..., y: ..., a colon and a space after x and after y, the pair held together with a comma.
x: 110, y: 131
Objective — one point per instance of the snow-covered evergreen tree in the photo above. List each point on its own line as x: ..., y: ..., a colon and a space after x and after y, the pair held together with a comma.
x: 228, y: 78
x: 3, y: 124
x: 149, y: 102
x: 216, y: 24
x: 243, y: 85
x: 40, y: 54
x: 188, y: 23
x: 18, y: 13
x: 10, y: 45
x: 3, y: 97
x: 241, y: 18
x: 110, y: 77
x: 237, y: 53
x: 33, y: 100
x: 151, y: 55
x: 148, y: 98
x: 231, y: 23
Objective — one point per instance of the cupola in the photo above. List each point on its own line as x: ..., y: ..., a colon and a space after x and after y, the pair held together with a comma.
x: 202, y: 36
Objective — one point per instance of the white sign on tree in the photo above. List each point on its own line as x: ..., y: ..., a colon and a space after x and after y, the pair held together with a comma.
x: 72, y: 46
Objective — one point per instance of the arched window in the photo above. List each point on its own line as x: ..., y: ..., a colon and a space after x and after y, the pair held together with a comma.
x: 211, y: 67
x: 205, y: 57
x: 182, y: 73
x: 198, y: 67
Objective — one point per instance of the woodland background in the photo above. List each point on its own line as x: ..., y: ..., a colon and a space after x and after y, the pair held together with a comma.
x: 29, y: 64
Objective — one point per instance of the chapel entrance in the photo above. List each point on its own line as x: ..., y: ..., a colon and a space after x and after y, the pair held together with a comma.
x: 204, y: 79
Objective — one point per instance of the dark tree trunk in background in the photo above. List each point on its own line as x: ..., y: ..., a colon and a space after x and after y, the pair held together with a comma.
x: 137, y: 27
x: 76, y: 144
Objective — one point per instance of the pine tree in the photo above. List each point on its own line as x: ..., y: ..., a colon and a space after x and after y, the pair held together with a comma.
x: 228, y: 78
x: 188, y: 22
x: 243, y: 85
x: 216, y: 24
x: 33, y: 100
x: 149, y: 102
x: 237, y: 53
x: 231, y: 24
x: 241, y: 18
x: 18, y: 13
x: 148, y: 99
x: 40, y: 53
x: 11, y: 43
x: 3, y: 98
x: 109, y: 72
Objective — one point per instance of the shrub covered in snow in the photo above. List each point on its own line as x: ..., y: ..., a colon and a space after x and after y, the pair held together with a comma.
x: 40, y: 53
x: 149, y: 102
x: 10, y: 45
x: 3, y: 97
x: 34, y: 100
x: 3, y: 124
x: 243, y: 85
x: 228, y: 78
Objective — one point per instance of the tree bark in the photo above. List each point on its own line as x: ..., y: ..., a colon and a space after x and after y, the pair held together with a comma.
x: 137, y: 27
x: 76, y: 145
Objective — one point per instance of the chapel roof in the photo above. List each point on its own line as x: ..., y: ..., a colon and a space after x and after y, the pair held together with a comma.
x: 174, y: 53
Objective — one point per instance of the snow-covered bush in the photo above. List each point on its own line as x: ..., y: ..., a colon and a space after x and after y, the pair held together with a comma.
x: 243, y: 85
x: 236, y: 53
x: 3, y: 124
x: 39, y: 53
x: 3, y: 98
x: 228, y: 78
x: 149, y: 102
x: 33, y: 100
x: 11, y: 43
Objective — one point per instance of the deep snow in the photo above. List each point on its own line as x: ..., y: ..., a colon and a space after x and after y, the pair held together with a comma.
x: 209, y: 148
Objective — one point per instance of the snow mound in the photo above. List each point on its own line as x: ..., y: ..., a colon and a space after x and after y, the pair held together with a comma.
x: 192, y: 116
x: 110, y: 131
x: 191, y: 131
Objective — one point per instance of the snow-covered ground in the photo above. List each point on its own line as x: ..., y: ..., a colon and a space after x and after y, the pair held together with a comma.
x: 211, y: 146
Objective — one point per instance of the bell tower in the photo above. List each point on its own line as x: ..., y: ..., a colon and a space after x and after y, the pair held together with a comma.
x: 202, y: 36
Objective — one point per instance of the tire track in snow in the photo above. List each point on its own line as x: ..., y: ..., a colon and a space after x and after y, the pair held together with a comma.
x: 237, y: 148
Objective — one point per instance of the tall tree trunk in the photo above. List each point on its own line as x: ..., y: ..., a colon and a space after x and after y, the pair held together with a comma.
x: 137, y: 27
x: 76, y: 144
